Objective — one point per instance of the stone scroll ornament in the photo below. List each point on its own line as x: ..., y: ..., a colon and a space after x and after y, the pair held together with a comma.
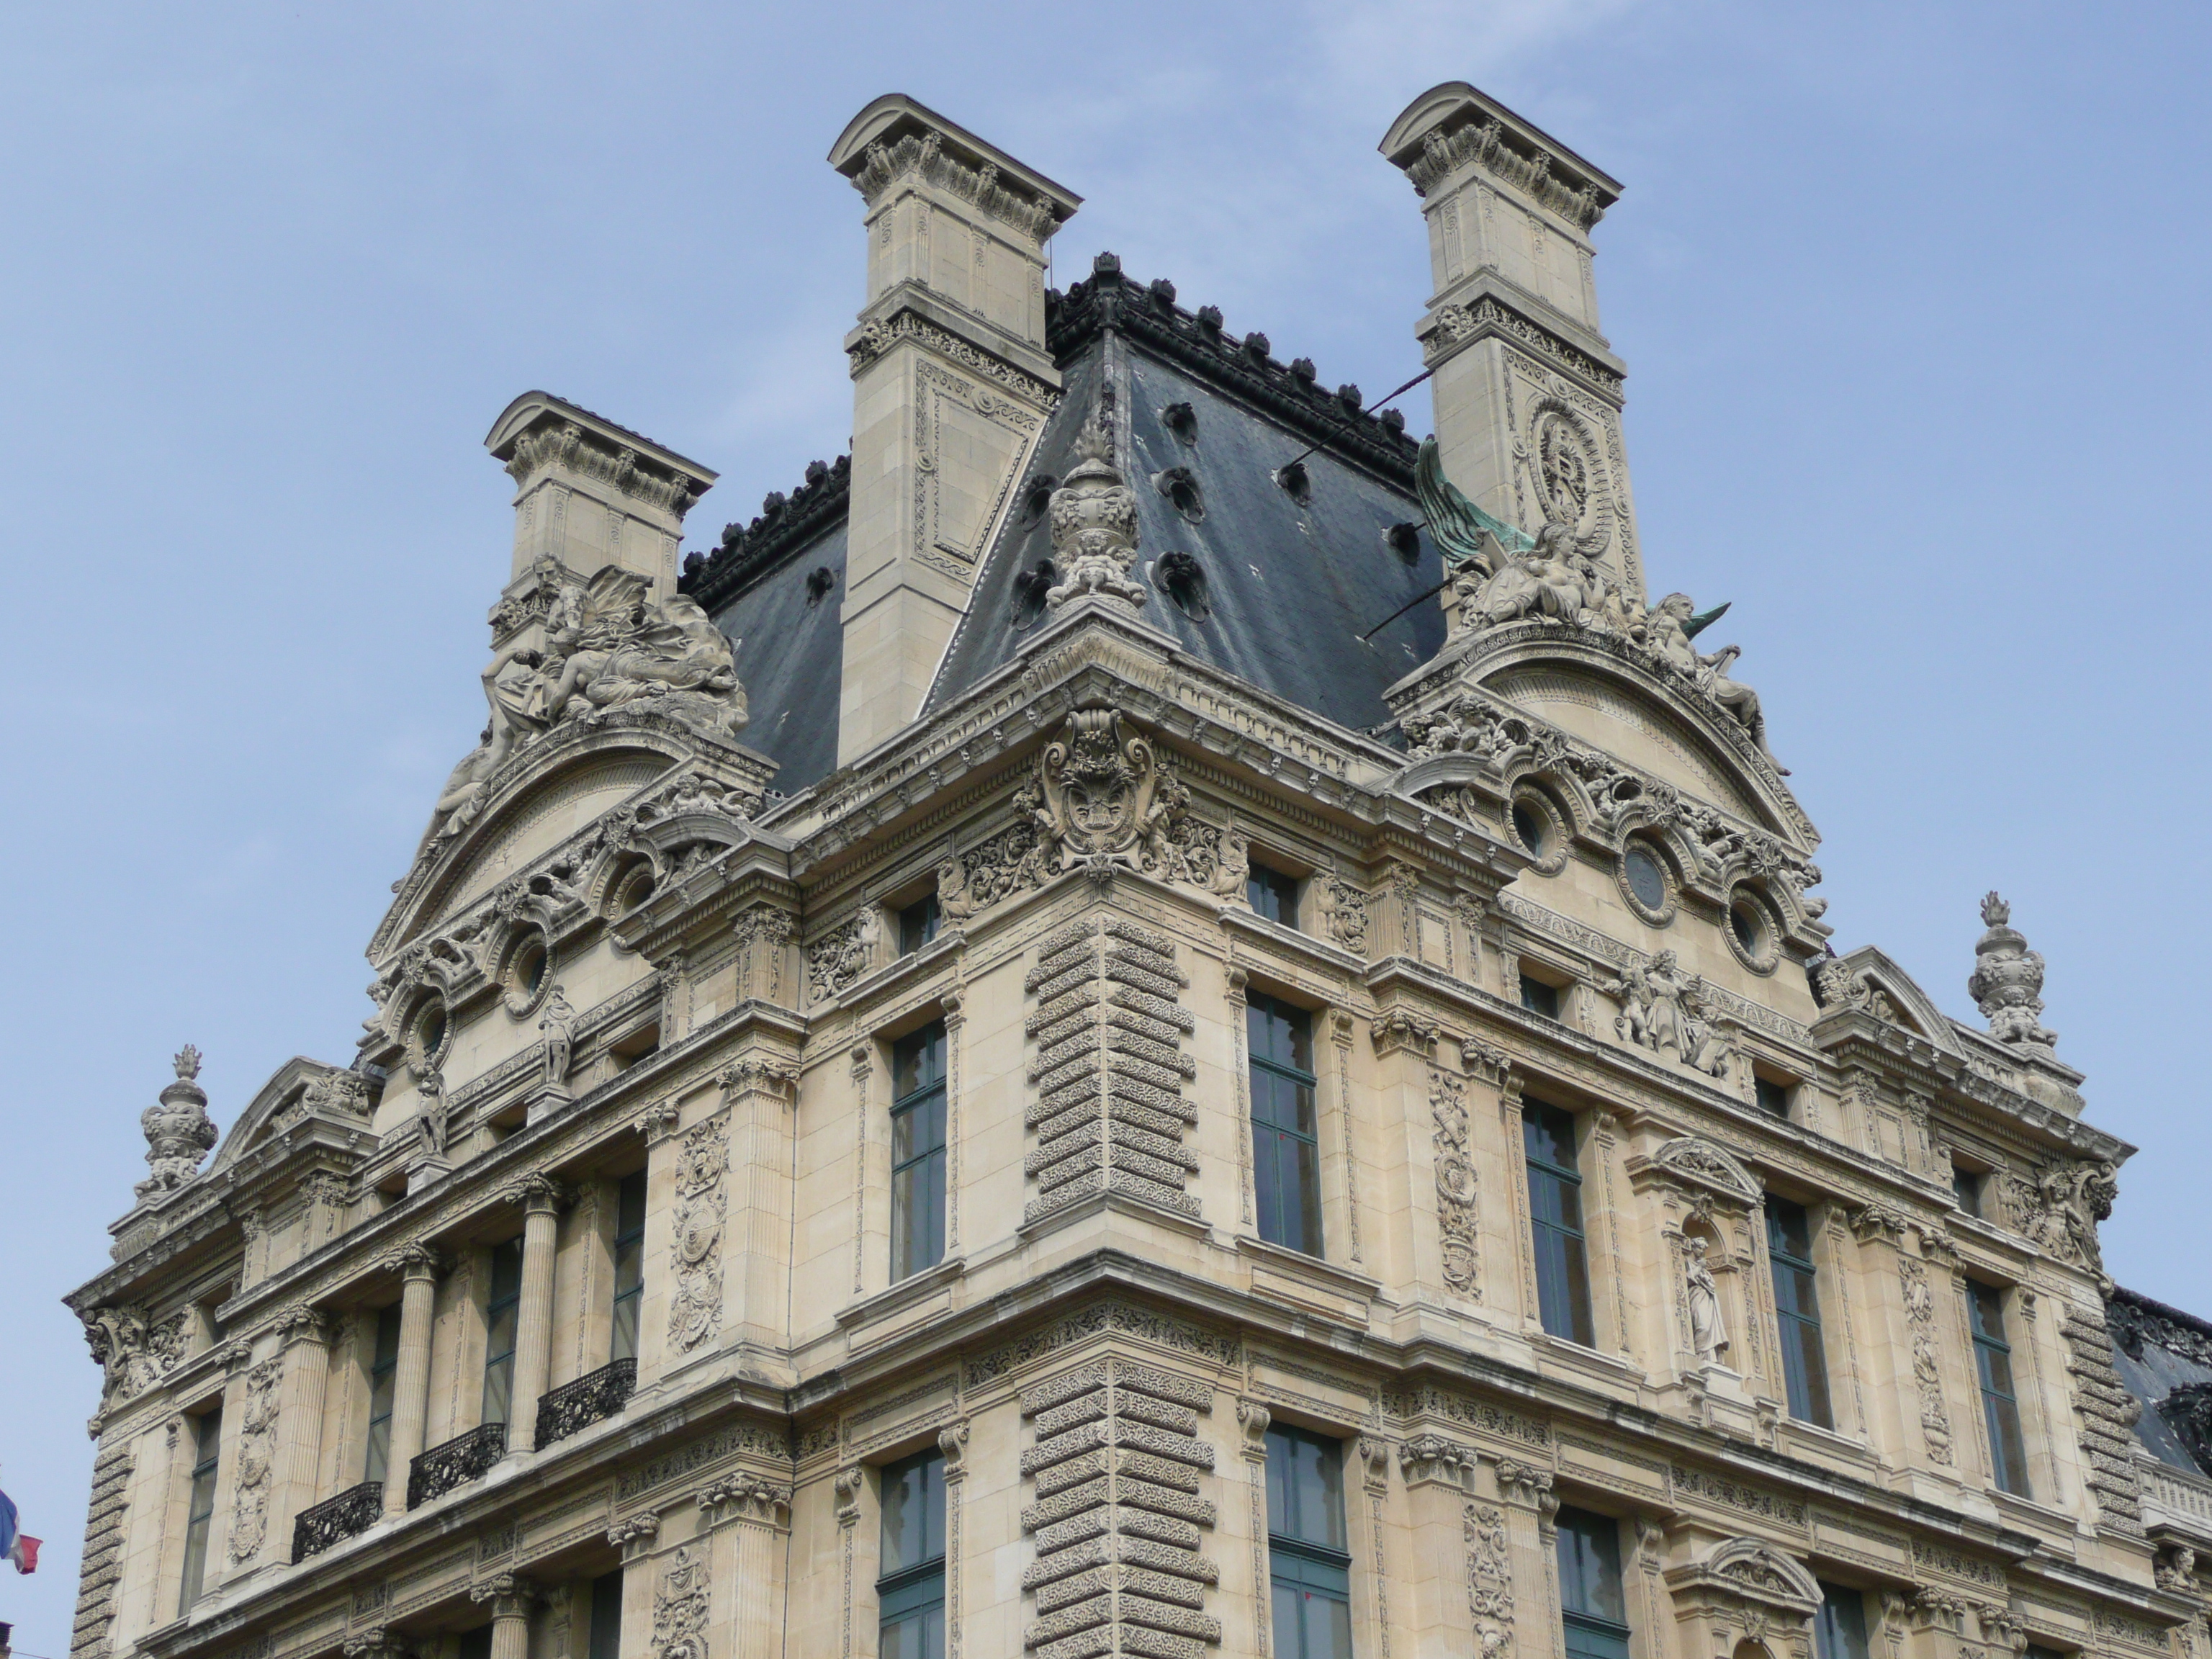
x: 1499, y: 574
x: 179, y: 1131
x: 609, y: 646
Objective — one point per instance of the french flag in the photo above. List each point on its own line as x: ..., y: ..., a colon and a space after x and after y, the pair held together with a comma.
x: 18, y: 1546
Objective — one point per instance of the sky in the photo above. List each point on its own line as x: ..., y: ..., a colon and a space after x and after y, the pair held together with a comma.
x: 1912, y: 297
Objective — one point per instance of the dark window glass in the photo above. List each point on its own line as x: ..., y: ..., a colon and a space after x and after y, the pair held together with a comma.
x: 1310, y: 1566
x: 383, y: 1371
x: 1555, y: 1210
x: 1966, y: 1188
x: 1531, y: 826
x: 1772, y: 1097
x: 918, y: 924
x: 1286, y: 1147
x: 1272, y: 895
x: 1743, y: 922
x: 1538, y: 997
x: 501, y: 1311
x: 475, y: 1643
x: 918, y: 1151
x: 199, y: 1510
x: 910, y: 1583
x: 606, y: 1616
x: 1647, y: 877
x: 1591, y: 1605
x: 1839, y: 1629
x: 629, y: 1264
x: 2000, y: 1404
x: 1796, y: 1299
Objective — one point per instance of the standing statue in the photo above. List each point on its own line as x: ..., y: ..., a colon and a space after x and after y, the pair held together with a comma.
x: 1708, y: 1333
x: 559, y: 1024
x: 431, y: 1113
x: 178, y: 1132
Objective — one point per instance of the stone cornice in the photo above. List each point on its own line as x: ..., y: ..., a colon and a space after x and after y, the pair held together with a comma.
x: 539, y: 432
x: 894, y: 138
x: 1454, y: 125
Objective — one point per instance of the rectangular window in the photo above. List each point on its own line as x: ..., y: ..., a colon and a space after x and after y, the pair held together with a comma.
x: 910, y: 1583
x: 199, y: 1511
x: 502, y: 1310
x: 918, y: 1151
x: 606, y: 1641
x: 1591, y: 1605
x: 1555, y: 1210
x: 1772, y: 1097
x: 1839, y: 1628
x: 1273, y: 896
x: 1538, y: 997
x: 1796, y: 1299
x: 1309, y: 1557
x: 2000, y: 1406
x: 1966, y: 1188
x: 475, y: 1644
x: 629, y: 1264
x: 918, y: 924
x: 1285, y: 1135
x: 383, y: 1372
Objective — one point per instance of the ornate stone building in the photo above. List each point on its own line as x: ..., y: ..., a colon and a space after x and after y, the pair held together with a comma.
x: 1148, y: 1019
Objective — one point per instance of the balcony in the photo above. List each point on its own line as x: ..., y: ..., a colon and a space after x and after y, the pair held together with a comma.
x: 352, y: 1511
x: 578, y: 1405
x: 458, y: 1461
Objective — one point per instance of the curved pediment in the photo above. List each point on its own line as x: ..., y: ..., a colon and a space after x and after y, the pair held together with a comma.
x: 1592, y: 687
x: 1868, y: 979
x: 302, y: 1088
x: 1748, y: 1565
x: 563, y: 784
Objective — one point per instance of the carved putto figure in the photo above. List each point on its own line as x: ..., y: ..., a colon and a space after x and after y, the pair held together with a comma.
x: 178, y: 1132
x: 2008, y: 980
x: 607, y: 645
x: 1708, y: 1332
x: 1094, y: 526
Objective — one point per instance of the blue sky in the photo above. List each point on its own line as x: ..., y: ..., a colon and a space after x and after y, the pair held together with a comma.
x: 1912, y: 297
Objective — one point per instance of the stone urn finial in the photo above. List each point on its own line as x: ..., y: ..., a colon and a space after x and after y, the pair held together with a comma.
x: 178, y: 1132
x: 1094, y: 526
x: 2008, y: 980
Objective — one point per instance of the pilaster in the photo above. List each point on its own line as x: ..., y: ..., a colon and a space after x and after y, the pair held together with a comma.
x: 419, y: 1267
x: 305, y: 1334
x: 762, y: 1094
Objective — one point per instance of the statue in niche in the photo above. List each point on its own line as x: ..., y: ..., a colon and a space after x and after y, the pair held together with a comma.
x: 559, y: 1024
x: 1708, y: 1332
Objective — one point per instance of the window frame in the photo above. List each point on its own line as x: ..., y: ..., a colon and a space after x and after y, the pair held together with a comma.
x: 1799, y: 1382
x: 500, y: 1363
x: 1833, y: 1599
x: 911, y: 1592
x: 2001, y: 1419
x: 1279, y: 888
x: 922, y: 1168
x: 1300, y: 1563
x: 383, y: 1377
x: 1536, y: 992
x: 1560, y: 1249
x: 1269, y: 1136
x: 628, y: 1303
x: 919, y: 923
x: 199, y: 1521
x: 1600, y: 1636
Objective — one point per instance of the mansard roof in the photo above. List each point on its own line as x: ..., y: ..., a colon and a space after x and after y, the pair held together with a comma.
x: 2163, y: 1356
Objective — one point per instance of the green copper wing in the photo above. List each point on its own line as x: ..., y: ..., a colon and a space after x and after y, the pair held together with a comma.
x: 1456, y: 525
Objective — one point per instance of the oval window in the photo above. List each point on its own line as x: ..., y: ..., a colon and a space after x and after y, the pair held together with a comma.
x: 530, y: 967
x: 636, y: 891
x: 1750, y: 932
x: 1647, y: 877
x: 431, y: 1031
x: 1529, y: 824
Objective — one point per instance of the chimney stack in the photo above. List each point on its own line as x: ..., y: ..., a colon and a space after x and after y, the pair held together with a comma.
x: 1528, y: 392
x: 951, y: 384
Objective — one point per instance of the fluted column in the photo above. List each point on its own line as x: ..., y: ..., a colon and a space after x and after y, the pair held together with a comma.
x: 510, y: 1596
x: 411, y: 1379
x: 542, y: 1199
x: 307, y: 1350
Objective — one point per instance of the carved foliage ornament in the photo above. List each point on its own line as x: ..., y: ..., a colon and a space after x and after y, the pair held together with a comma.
x: 256, y: 1454
x: 695, y: 1311
x: 680, y: 1606
x: 1456, y: 1218
x: 132, y: 1352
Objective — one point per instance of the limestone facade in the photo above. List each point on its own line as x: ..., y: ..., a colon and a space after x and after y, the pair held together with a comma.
x: 735, y: 1193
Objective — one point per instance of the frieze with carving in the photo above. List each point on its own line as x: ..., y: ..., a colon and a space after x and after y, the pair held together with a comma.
x: 1456, y: 1188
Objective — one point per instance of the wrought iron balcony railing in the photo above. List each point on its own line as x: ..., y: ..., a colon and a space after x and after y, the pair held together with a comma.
x: 458, y: 1461
x: 578, y: 1405
x: 354, y: 1510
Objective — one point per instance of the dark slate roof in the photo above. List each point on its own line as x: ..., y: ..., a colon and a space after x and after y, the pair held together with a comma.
x: 2157, y: 1349
x: 1292, y: 585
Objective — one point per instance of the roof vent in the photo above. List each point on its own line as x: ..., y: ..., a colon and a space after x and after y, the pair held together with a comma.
x: 1029, y: 591
x: 1181, y: 488
x: 1040, y: 497
x: 1184, y: 583
x: 819, y: 582
x: 1296, y: 482
x: 1181, y: 420
x: 1404, y: 540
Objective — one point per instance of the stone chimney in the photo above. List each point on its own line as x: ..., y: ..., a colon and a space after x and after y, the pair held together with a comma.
x: 1528, y: 392
x: 590, y: 494
x: 951, y: 384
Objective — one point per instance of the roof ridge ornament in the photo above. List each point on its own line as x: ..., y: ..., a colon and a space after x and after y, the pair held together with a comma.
x: 179, y: 1131
x: 2007, y: 983
x: 1093, y: 523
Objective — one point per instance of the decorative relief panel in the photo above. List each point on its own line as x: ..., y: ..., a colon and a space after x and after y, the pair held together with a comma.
x: 257, y: 1455
x: 694, y: 1309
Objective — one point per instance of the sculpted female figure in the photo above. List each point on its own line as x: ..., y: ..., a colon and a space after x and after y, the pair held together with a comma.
x: 1708, y: 1335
